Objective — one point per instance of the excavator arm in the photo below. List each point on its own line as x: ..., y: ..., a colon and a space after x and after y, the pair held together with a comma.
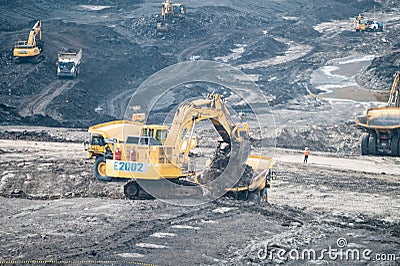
x: 394, y: 98
x: 212, y: 108
x: 36, y: 29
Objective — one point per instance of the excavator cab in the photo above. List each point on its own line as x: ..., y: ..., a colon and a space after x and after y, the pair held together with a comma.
x: 242, y: 130
x: 156, y: 132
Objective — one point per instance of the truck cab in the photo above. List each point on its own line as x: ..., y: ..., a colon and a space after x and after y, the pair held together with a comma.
x: 373, y: 25
x: 68, y: 63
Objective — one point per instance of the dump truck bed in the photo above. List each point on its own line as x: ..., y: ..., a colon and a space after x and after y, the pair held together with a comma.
x: 262, y: 165
x: 380, y: 118
x: 118, y: 129
x: 70, y: 54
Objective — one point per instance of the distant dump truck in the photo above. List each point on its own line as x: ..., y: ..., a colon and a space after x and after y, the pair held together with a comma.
x: 69, y: 62
x: 382, y: 125
x: 373, y: 25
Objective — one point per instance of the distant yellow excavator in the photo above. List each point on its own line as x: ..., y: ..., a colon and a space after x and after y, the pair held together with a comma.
x: 31, y: 49
x: 170, y: 10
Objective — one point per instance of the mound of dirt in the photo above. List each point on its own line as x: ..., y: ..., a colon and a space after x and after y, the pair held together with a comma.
x: 343, y: 138
x: 379, y: 75
x: 219, y: 164
x: 53, y: 179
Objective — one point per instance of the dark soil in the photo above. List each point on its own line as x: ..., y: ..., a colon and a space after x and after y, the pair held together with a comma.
x: 121, y: 48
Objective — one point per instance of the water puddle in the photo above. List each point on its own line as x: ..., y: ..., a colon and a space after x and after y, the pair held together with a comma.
x: 337, y: 80
x: 131, y: 255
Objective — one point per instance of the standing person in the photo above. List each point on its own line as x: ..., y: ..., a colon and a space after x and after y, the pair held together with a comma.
x: 306, y: 154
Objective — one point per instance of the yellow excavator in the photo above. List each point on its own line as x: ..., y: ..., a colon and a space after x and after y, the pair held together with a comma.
x: 31, y: 49
x: 170, y: 10
x: 131, y: 150
x: 382, y: 125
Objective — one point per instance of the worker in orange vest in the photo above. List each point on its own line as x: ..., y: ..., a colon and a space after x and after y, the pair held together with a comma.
x: 306, y: 154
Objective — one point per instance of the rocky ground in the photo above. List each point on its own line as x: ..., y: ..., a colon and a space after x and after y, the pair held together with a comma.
x: 315, y: 72
x: 54, y: 206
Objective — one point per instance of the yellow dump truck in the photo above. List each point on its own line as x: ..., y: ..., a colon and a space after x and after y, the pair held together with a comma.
x: 130, y: 150
x: 382, y: 125
x: 256, y: 188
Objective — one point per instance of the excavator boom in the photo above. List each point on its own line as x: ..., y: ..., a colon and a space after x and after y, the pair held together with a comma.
x: 36, y: 29
x: 394, y: 98
x: 212, y: 108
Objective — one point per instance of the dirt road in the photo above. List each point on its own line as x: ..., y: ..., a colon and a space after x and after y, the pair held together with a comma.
x: 361, y: 164
x: 38, y: 104
x: 54, y: 209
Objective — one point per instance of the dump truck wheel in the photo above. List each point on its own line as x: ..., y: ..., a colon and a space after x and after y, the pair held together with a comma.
x: 100, y: 169
x: 395, y: 145
x: 253, y: 197
x: 131, y: 190
x: 398, y: 147
x: 241, y: 195
x: 364, y: 144
x: 372, y: 145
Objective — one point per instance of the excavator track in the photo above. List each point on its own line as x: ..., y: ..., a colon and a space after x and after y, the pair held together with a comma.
x: 162, y: 189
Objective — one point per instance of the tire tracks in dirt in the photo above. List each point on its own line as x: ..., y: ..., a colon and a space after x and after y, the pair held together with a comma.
x: 117, y: 105
x: 127, y: 236
x: 37, y: 105
x: 192, y: 50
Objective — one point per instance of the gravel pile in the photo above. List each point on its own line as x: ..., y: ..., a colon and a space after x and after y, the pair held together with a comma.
x: 220, y: 162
